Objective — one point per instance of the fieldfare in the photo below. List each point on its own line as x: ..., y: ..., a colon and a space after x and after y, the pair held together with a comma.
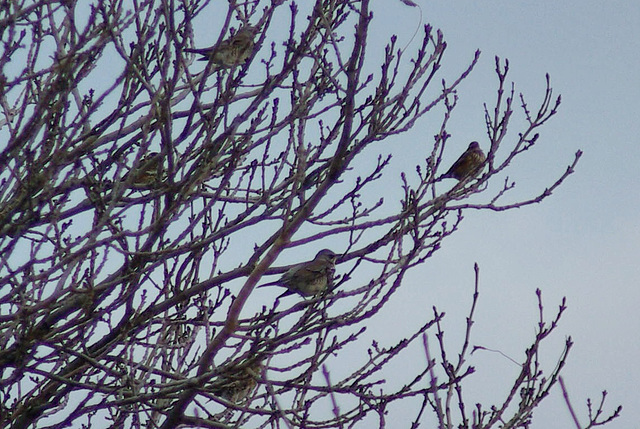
x: 230, y: 52
x: 148, y: 172
x: 468, y: 165
x: 309, y: 278
x: 235, y: 384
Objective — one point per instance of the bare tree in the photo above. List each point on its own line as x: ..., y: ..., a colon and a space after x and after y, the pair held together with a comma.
x: 144, y: 195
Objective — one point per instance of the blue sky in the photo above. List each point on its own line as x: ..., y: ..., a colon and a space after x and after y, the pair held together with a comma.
x: 584, y: 241
x: 581, y: 243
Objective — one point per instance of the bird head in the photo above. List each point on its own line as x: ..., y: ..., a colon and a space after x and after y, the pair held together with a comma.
x: 255, y: 368
x: 248, y: 31
x: 326, y: 255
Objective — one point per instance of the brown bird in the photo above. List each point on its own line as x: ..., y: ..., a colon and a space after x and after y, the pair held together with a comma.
x: 236, y: 383
x: 309, y: 278
x: 230, y: 52
x: 468, y: 165
x: 147, y: 173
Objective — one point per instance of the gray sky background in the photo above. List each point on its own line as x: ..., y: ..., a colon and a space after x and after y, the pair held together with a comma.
x: 584, y: 241
x: 581, y: 243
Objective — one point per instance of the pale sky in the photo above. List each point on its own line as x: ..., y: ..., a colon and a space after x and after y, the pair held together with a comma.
x: 583, y: 242
x: 578, y: 244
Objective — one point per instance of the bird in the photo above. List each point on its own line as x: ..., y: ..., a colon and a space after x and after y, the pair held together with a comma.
x: 236, y: 383
x: 468, y: 165
x: 309, y: 278
x: 230, y: 52
x: 146, y: 174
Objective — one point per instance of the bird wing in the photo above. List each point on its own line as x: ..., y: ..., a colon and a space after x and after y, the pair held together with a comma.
x: 285, y: 279
x: 460, y: 163
x: 310, y: 271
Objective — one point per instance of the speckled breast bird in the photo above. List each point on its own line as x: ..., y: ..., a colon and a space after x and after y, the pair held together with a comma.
x: 468, y: 165
x: 309, y: 278
x: 230, y: 52
x: 147, y: 173
x: 236, y: 384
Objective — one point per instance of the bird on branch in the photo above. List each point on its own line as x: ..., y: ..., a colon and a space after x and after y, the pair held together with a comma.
x: 468, y: 165
x: 236, y: 384
x: 230, y: 52
x: 309, y: 278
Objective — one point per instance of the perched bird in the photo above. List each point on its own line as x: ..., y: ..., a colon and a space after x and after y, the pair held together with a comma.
x: 236, y: 383
x: 147, y: 173
x: 230, y: 52
x: 468, y: 165
x: 309, y: 278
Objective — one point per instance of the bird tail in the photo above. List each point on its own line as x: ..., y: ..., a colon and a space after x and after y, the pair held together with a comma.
x: 204, y: 52
x: 285, y: 293
x: 270, y: 284
x: 276, y: 283
x: 195, y: 51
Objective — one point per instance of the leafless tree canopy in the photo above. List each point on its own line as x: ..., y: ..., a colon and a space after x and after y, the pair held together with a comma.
x: 144, y: 194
